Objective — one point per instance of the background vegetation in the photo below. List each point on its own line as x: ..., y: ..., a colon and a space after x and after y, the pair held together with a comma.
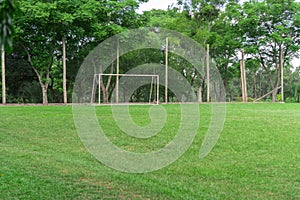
x: 262, y: 28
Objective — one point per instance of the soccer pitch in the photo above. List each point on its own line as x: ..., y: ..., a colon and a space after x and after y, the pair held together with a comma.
x: 256, y: 157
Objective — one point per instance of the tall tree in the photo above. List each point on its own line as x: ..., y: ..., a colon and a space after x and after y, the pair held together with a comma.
x: 200, y: 16
x: 46, y: 25
x: 7, y: 9
x: 268, y: 27
x: 225, y: 39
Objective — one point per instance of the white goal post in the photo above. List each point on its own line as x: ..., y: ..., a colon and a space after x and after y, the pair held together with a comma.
x: 97, y: 83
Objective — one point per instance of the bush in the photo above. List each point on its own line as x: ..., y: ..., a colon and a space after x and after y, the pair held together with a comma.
x: 291, y: 100
x: 240, y: 99
x: 278, y: 97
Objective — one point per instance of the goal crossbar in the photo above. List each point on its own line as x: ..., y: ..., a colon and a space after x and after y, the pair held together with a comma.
x: 97, y: 78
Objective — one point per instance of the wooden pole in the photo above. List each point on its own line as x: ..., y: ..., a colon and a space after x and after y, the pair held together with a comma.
x: 99, y: 89
x: 281, y: 68
x: 166, y: 71
x: 118, y: 71
x: 64, y: 71
x: 207, y: 73
x: 3, y: 74
x: 260, y: 98
x: 242, y: 80
x: 157, y: 90
x: 93, y: 89
x: 243, y: 77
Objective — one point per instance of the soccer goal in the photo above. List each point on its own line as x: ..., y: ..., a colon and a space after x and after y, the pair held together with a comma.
x: 125, y: 88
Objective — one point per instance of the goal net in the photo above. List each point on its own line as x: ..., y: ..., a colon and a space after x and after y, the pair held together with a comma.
x: 125, y: 88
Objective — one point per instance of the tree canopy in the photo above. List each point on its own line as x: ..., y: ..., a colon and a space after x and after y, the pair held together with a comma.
x: 261, y: 28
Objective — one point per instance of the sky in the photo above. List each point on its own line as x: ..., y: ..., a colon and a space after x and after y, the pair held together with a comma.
x: 156, y: 4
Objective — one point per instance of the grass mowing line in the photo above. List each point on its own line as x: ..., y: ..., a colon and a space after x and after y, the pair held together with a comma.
x: 257, y: 156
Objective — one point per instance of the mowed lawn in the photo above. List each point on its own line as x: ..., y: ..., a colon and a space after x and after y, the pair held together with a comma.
x: 256, y: 157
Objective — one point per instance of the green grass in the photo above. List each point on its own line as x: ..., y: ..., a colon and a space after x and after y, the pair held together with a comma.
x: 257, y: 156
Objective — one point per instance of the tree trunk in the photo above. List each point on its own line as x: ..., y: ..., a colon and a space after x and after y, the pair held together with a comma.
x: 45, y: 94
x: 64, y: 71
x: 3, y: 75
x: 43, y: 85
x: 103, y: 87
x: 105, y: 96
x: 274, y: 94
x: 199, y: 94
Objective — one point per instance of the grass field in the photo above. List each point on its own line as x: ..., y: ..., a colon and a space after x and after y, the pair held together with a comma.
x: 257, y: 156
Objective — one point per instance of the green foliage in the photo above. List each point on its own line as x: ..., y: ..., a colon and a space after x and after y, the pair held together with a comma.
x: 7, y: 10
x: 30, y: 92
x: 292, y: 84
x: 225, y: 40
x: 42, y: 25
x: 1, y: 89
x: 270, y: 25
x: 278, y: 97
x: 260, y: 27
x: 292, y: 100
